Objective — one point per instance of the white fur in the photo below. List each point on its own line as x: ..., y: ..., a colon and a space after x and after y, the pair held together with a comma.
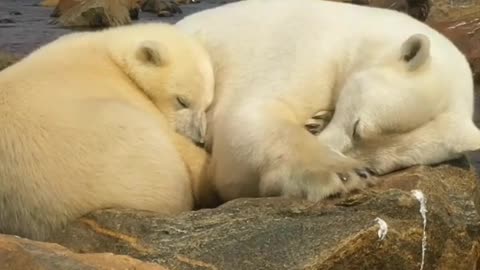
x: 278, y: 62
x: 88, y: 123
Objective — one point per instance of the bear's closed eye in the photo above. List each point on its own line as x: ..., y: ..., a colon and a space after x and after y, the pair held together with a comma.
x: 183, y: 102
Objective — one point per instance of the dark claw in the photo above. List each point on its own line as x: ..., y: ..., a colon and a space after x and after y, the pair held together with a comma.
x: 313, y: 128
x: 363, y: 173
x: 371, y: 171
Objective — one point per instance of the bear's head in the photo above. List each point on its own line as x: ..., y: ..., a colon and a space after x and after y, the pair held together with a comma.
x: 171, y: 69
x: 420, y: 83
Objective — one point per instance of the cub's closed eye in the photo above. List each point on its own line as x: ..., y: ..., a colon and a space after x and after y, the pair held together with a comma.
x: 183, y: 102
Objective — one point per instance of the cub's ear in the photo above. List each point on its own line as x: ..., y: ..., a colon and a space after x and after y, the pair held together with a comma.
x: 152, y: 52
x: 415, y: 51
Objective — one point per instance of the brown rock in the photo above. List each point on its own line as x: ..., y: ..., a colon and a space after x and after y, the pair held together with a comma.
x: 418, y: 9
x: 49, y: 3
x: 163, y: 8
x: 459, y: 20
x: 6, y: 59
x: 186, y: 2
x: 275, y: 233
x: 97, y: 13
x: 465, y: 34
x: 22, y: 254
x: 453, y: 10
x: 63, y: 6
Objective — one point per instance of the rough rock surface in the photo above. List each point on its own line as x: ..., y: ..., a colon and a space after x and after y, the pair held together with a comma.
x: 459, y: 20
x: 453, y: 10
x: 98, y: 13
x: 22, y: 254
x: 63, y: 6
x: 163, y: 8
x: 418, y: 9
x: 274, y: 233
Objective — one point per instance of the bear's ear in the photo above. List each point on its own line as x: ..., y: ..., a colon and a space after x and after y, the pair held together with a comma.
x: 415, y: 51
x: 152, y: 52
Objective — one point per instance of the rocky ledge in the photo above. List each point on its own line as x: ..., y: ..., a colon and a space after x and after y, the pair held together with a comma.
x: 422, y: 215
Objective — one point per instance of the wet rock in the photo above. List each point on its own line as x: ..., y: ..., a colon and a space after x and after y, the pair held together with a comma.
x: 163, y: 8
x: 6, y: 21
x: 275, y: 233
x: 98, y: 13
x: 22, y: 254
x: 6, y: 59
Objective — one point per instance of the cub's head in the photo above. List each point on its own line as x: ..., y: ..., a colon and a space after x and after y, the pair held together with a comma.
x: 171, y: 68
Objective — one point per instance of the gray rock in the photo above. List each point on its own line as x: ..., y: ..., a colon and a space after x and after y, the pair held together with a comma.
x: 275, y: 233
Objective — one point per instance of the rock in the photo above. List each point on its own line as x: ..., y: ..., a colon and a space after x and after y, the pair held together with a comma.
x: 418, y: 9
x: 49, y: 3
x: 187, y: 2
x: 22, y: 254
x: 163, y: 8
x: 6, y: 21
x: 459, y: 20
x: 276, y: 233
x: 465, y: 34
x: 96, y: 13
x: 63, y: 6
x: 6, y: 60
x: 452, y: 10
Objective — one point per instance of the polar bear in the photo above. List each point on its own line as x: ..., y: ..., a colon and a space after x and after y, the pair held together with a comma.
x: 402, y: 95
x: 88, y: 122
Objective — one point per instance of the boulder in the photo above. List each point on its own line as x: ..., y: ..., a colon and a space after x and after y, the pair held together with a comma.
x: 459, y: 20
x: 163, y: 8
x: 452, y: 10
x: 23, y: 254
x: 418, y: 9
x: 422, y: 215
x: 49, y: 3
x: 96, y: 13
x: 63, y: 6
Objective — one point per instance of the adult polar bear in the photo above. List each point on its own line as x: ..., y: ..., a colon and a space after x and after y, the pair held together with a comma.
x: 402, y: 94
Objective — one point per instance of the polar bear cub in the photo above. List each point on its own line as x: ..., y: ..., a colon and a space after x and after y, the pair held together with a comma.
x: 88, y: 122
x: 402, y: 95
